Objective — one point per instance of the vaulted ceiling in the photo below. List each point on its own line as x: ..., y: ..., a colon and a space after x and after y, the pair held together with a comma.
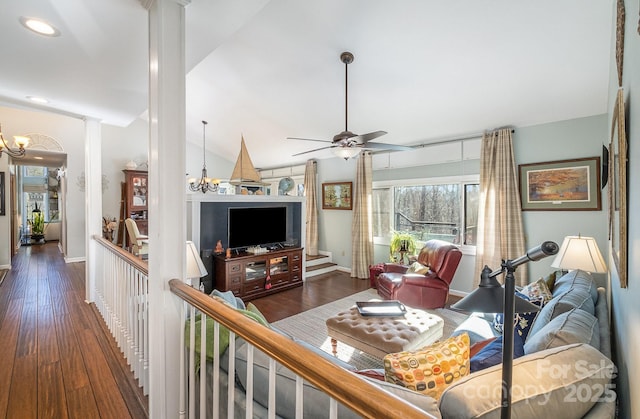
x: 423, y: 69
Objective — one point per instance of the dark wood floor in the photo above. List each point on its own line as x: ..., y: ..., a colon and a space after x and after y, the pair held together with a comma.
x: 316, y: 291
x: 58, y: 360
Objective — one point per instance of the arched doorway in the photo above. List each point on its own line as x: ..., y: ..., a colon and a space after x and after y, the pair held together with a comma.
x: 38, y: 190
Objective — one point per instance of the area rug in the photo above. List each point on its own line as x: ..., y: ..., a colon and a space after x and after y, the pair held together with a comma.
x: 310, y: 326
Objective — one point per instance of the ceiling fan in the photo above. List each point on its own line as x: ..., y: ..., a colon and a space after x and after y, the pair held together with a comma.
x: 347, y: 144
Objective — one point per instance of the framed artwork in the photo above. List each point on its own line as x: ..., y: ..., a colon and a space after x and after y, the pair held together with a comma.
x: 2, y: 207
x: 618, y: 209
x: 337, y: 195
x: 620, y: 17
x: 562, y: 185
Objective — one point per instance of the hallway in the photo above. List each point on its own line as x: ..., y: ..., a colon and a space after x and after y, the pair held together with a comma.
x: 58, y: 359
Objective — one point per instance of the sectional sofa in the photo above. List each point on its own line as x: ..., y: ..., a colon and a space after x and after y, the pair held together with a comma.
x: 565, y: 372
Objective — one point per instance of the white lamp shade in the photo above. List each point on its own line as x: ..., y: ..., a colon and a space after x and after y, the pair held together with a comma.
x: 195, y: 267
x: 581, y: 253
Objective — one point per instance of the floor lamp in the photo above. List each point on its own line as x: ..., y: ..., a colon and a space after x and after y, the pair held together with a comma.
x: 491, y: 297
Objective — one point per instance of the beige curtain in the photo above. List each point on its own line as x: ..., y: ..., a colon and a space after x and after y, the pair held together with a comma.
x: 500, y: 232
x: 361, y: 228
x: 310, y: 191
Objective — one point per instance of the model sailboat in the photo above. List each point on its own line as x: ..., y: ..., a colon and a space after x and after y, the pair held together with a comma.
x: 244, y: 174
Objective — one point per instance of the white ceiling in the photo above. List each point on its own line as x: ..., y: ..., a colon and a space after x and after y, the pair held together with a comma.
x: 423, y: 70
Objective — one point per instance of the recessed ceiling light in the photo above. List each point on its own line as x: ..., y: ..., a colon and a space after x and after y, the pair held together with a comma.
x: 39, y: 26
x: 38, y: 99
x: 38, y: 158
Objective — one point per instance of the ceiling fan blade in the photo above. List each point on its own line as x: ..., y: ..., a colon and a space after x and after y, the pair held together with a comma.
x: 383, y: 146
x: 311, y: 151
x: 308, y: 139
x: 369, y: 136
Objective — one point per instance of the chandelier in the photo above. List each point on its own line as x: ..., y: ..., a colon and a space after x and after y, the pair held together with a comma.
x: 20, y: 141
x: 204, y: 184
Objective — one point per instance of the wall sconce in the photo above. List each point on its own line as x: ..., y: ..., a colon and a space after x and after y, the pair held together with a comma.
x: 20, y: 141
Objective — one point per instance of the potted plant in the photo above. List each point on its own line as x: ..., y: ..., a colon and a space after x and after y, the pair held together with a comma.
x: 37, y: 225
x: 401, y: 243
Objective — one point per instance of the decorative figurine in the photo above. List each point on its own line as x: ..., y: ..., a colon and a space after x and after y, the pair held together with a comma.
x: 219, y: 249
x: 228, y: 253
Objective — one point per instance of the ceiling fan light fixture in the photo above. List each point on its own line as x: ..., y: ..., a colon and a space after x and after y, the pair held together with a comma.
x: 346, y: 152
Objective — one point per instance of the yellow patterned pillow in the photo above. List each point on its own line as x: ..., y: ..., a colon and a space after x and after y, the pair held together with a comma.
x: 418, y: 268
x: 432, y: 369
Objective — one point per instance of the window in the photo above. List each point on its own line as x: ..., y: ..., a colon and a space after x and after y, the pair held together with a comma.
x: 445, y: 209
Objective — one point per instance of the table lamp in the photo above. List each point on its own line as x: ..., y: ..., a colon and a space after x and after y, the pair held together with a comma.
x: 195, y: 267
x: 579, y: 252
x: 491, y: 297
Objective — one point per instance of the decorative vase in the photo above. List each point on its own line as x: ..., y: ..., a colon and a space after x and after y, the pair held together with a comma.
x: 131, y: 165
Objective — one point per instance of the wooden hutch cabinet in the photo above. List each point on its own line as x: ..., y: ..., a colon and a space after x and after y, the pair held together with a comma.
x: 135, y: 198
x: 249, y: 275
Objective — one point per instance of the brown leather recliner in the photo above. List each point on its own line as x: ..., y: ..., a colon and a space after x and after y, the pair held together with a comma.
x: 422, y: 291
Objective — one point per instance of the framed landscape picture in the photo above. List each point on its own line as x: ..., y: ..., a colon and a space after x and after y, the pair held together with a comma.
x: 562, y: 185
x: 337, y: 195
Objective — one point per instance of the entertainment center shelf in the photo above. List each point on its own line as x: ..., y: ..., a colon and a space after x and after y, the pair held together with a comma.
x: 208, y: 221
x: 248, y: 275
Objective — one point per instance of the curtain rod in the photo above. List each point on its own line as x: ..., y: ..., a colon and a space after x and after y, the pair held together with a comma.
x: 456, y: 139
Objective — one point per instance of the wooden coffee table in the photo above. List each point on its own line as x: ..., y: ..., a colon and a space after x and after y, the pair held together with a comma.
x: 379, y: 335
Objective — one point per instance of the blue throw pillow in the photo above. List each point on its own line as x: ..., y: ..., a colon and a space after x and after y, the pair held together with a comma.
x: 491, y: 354
x: 522, y: 321
x: 228, y: 297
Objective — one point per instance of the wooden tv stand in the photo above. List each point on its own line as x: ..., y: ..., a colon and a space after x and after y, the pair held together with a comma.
x: 246, y: 274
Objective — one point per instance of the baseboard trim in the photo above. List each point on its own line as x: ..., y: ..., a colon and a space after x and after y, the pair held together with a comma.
x: 75, y: 260
x: 343, y: 269
x: 5, y: 267
x: 458, y: 293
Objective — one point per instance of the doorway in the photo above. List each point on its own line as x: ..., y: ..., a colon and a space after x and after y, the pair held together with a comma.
x: 38, y: 199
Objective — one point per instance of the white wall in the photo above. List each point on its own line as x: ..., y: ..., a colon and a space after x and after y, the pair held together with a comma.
x: 217, y: 167
x: 334, y: 226
x: 122, y: 144
x: 119, y: 146
x: 69, y: 132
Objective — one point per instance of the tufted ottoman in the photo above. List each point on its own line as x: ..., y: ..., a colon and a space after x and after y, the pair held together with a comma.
x: 379, y: 336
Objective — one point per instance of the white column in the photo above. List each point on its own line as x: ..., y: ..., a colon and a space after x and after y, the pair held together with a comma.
x: 93, y: 199
x: 167, y: 200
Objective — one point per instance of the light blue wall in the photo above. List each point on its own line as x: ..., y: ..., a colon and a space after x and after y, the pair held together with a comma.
x: 626, y: 302
x: 563, y: 140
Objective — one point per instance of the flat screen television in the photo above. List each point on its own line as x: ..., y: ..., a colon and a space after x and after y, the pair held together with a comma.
x: 257, y: 226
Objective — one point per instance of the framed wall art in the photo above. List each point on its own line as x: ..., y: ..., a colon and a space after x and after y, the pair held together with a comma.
x: 3, y: 210
x: 337, y: 195
x: 620, y: 17
x: 562, y: 185
x: 618, y: 209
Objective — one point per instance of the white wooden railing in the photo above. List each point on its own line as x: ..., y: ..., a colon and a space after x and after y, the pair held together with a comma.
x: 341, y: 386
x: 121, y: 297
